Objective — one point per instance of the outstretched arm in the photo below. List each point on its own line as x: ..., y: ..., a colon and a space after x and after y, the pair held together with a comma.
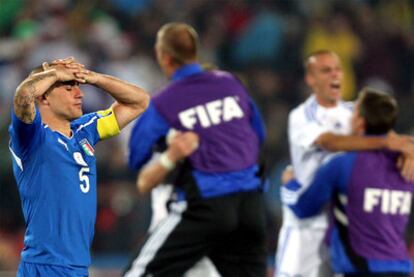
x: 333, y: 143
x: 181, y: 146
x: 391, y: 141
x: 331, y: 178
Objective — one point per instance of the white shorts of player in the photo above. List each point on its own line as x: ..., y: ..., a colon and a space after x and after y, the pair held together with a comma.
x: 301, y: 252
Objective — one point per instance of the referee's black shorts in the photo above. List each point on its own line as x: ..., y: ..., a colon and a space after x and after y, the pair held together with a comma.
x: 230, y: 230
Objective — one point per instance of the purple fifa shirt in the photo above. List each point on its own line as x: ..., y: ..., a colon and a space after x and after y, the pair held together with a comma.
x: 370, y: 211
x: 216, y: 106
x: 380, y: 207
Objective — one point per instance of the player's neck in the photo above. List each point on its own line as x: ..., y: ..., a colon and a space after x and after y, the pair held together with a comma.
x: 326, y: 103
x: 57, y: 124
x: 170, y: 70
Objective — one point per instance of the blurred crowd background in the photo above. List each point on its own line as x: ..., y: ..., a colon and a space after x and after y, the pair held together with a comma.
x: 262, y: 41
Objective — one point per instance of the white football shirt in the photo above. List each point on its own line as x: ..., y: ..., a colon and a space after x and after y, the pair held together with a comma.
x: 306, y: 123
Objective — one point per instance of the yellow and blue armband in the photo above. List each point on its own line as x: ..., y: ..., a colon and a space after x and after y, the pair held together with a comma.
x: 107, y: 124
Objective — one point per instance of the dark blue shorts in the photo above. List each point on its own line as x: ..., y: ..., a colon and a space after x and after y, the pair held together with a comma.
x: 27, y: 269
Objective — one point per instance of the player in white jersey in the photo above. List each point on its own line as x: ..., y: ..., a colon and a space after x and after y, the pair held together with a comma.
x: 306, y: 124
x: 317, y: 126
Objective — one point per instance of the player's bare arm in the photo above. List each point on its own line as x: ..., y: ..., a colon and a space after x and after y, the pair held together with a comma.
x: 334, y: 143
x: 181, y: 146
x: 33, y: 86
x: 36, y: 85
x: 131, y: 100
x: 392, y: 141
x: 405, y: 145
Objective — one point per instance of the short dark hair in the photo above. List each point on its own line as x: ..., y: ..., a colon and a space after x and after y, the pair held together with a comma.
x: 180, y: 40
x: 379, y: 111
x: 307, y: 60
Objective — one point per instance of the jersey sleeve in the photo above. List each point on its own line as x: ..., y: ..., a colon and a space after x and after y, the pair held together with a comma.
x: 304, y: 131
x: 97, y: 126
x: 24, y: 136
x: 318, y: 194
x: 149, y: 128
x: 257, y: 122
x: 330, y: 178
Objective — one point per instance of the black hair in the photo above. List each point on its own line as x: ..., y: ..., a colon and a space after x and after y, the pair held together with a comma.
x: 379, y: 111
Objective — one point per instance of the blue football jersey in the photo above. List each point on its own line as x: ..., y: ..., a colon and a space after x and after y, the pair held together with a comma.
x: 56, y: 178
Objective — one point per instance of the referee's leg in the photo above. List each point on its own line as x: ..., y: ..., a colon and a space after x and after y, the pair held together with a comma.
x: 243, y: 251
x: 173, y: 247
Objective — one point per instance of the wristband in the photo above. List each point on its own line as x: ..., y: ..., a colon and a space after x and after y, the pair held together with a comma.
x: 166, y: 162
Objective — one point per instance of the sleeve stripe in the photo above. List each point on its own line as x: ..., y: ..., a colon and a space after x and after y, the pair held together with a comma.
x: 86, y: 124
x: 17, y: 159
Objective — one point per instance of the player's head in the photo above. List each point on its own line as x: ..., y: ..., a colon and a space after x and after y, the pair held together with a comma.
x: 62, y: 100
x: 176, y: 45
x: 323, y: 74
x: 375, y: 113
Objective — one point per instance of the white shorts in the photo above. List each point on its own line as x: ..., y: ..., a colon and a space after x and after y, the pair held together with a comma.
x: 301, y: 252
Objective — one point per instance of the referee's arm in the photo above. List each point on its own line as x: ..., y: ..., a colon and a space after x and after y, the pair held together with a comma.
x: 181, y: 146
x: 147, y: 131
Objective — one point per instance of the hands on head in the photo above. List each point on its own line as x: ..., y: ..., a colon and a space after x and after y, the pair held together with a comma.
x: 69, y: 69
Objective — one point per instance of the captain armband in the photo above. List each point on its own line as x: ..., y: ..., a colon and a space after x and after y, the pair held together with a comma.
x: 107, y: 124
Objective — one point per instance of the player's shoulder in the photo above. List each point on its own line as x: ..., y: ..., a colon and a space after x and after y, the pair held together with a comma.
x: 205, y: 76
x: 221, y: 74
x: 217, y: 77
x: 347, y: 106
x: 304, y: 112
x: 343, y: 159
x: 85, y: 120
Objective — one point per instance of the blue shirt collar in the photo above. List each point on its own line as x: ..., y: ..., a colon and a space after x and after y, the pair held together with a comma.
x: 186, y: 70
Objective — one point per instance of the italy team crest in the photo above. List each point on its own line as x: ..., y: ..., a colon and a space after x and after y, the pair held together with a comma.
x: 87, y: 147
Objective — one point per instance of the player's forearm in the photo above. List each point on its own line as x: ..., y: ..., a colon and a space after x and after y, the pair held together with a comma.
x: 123, y: 92
x: 154, y: 173
x: 151, y: 176
x: 33, y: 86
x: 331, y: 142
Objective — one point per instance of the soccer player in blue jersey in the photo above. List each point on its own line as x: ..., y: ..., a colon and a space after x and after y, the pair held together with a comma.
x: 371, y: 201
x: 218, y: 211
x: 52, y: 145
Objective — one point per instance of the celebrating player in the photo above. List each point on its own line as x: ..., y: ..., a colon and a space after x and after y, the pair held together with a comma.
x: 371, y: 201
x: 319, y: 125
